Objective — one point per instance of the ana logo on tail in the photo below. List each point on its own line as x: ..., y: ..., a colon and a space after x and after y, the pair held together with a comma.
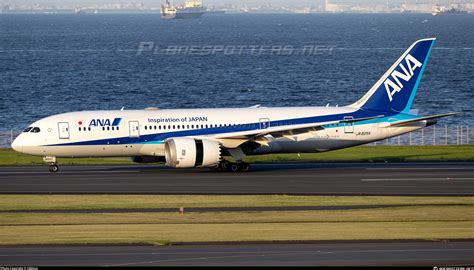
x: 394, y: 87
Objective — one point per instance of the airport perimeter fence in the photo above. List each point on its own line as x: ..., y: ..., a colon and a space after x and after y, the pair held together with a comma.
x: 433, y: 135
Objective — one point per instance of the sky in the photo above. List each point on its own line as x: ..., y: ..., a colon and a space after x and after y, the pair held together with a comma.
x: 220, y: 2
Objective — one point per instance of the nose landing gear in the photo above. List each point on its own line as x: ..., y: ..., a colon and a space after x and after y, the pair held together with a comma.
x: 53, y: 167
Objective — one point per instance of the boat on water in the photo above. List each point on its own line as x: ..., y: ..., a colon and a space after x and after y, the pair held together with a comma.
x: 79, y: 10
x: 192, y: 9
x: 215, y: 11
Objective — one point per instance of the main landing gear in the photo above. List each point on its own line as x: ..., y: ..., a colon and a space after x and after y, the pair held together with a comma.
x: 226, y: 165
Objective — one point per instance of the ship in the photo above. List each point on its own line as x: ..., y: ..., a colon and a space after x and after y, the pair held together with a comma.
x: 192, y: 9
x: 215, y: 11
x: 442, y: 11
x: 79, y: 10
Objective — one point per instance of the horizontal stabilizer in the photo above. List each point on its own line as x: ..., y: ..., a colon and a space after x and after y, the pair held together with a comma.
x: 410, y: 121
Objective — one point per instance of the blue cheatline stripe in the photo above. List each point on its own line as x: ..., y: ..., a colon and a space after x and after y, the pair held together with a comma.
x: 159, y: 138
x: 415, y: 88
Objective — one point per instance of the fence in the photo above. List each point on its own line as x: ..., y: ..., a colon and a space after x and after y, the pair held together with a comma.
x: 433, y: 135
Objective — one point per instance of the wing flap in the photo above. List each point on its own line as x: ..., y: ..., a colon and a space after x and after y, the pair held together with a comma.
x: 287, y: 131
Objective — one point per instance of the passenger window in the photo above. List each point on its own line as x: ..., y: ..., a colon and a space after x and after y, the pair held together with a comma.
x: 90, y: 128
x: 108, y: 128
x: 79, y: 128
x: 117, y: 128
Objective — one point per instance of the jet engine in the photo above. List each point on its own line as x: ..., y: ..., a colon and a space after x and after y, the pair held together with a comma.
x: 184, y: 152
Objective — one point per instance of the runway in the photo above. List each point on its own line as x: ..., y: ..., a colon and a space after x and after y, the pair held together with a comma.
x: 427, y: 179
x: 312, y: 254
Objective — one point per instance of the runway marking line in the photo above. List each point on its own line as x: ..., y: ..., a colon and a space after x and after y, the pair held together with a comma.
x: 283, y: 253
x: 416, y: 168
x: 419, y: 179
x: 74, y: 172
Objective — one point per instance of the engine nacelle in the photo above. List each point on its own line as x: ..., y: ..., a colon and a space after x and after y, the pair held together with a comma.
x: 183, y: 152
x: 148, y: 159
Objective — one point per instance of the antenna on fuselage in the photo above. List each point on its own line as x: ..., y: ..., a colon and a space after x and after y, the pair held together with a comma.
x: 122, y: 108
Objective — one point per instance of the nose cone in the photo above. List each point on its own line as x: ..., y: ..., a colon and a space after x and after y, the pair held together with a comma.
x: 17, y: 144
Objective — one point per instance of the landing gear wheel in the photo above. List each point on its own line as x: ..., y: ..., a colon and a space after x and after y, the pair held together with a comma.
x: 244, y: 167
x: 235, y: 167
x: 53, y: 168
x: 224, y: 165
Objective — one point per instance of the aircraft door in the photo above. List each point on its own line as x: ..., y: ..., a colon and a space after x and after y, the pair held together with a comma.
x: 63, y: 128
x: 134, y: 128
x: 348, y: 127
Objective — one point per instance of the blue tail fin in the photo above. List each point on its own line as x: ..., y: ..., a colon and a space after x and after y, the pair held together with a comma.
x: 396, y: 89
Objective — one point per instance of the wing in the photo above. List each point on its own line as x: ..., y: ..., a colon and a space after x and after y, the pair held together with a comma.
x: 235, y: 139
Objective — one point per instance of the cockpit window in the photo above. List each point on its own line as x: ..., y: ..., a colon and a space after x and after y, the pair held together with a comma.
x: 28, y: 129
x: 35, y: 130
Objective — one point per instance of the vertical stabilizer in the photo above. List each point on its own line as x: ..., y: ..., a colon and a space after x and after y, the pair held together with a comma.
x: 396, y: 89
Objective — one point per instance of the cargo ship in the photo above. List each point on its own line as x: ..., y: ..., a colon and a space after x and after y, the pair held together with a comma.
x: 192, y: 9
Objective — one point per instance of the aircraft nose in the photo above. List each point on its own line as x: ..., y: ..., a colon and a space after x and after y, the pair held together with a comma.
x: 17, y: 144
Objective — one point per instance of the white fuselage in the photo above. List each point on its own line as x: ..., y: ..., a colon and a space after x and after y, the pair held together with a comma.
x: 143, y: 132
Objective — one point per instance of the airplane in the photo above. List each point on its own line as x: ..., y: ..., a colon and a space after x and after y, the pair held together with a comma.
x: 187, y: 138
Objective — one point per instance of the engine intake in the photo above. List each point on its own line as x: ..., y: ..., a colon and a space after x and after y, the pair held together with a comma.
x: 183, y: 152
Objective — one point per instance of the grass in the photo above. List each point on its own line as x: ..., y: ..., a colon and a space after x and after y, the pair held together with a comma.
x: 424, y: 221
x: 379, y: 154
x: 9, y: 157
x: 395, y: 214
x: 160, y: 234
x: 48, y: 202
